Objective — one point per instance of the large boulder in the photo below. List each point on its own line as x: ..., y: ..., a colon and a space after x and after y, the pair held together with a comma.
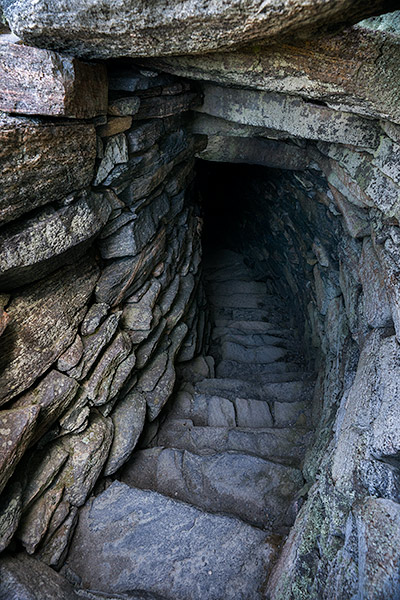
x: 99, y: 28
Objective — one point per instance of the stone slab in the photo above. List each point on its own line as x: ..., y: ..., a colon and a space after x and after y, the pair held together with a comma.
x: 95, y: 29
x: 42, y: 162
x: 128, y: 538
x: 34, y: 81
x: 288, y: 113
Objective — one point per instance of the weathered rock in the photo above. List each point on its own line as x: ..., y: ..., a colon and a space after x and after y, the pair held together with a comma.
x: 269, y: 153
x: 24, y: 577
x: 321, y: 69
x: 288, y: 113
x: 115, y: 153
x: 183, y: 27
x: 160, y: 107
x: 114, y: 126
x: 98, y: 386
x: 128, y: 418
x: 29, y: 346
x: 42, y: 162
x: 248, y: 487
x: 122, y: 277
x: 17, y: 428
x: 51, y: 238
x: 143, y: 135
x: 71, y: 356
x: 39, y: 82
x: 10, y: 514
x: 123, y: 107
x: 94, y: 317
x: 376, y: 304
x: 232, y: 562
x: 93, y: 344
x: 52, y: 395
x: 138, y: 316
x: 88, y: 453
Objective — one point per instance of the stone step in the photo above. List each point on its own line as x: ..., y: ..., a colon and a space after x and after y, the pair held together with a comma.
x: 236, y: 272
x: 274, y: 371
x: 239, y: 300
x: 235, y: 286
x: 167, y: 548
x: 247, y: 314
x: 262, y: 355
x: 255, y: 490
x: 254, y: 340
x: 286, y: 445
x: 216, y: 411
x: 287, y: 391
x: 254, y: 327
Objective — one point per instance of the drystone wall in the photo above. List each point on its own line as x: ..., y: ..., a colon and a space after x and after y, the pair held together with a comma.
x: 328, y: 238
x: 99, y: 273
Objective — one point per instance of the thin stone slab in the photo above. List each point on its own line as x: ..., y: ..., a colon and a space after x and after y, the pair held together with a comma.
x: 31, y: 250
x: 129, y: 538
x: 34, y: 81
x: 253, y: 489
x: 288, y: 113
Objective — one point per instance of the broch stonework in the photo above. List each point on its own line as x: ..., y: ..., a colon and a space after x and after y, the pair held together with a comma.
x: 199, y: 300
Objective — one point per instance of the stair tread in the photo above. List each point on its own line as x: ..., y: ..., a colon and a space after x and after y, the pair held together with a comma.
x: 164, y: 546
x: 285, y: 445
x: 249, y: 487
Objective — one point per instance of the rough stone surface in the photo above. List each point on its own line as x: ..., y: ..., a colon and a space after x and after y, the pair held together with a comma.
x: 218, y: 557
x: 288, y: 113
x: 39, y: 82
x: 17, y: 427
x: 324, y: 69
x: 24, y: 577
x: 59, y: 305
x: 50, y: 239
x: 42, y: 162
x: 178, y: 28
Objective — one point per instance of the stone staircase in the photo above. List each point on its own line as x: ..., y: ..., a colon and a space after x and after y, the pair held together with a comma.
x: 216, y: 488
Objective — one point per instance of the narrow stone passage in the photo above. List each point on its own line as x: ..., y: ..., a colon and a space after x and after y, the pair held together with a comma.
x: 202, y: 510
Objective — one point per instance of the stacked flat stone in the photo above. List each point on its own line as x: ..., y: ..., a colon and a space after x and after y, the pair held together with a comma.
x: 100, y: 259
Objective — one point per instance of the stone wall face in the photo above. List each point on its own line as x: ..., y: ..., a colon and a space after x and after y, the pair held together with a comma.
x: 100, y: 256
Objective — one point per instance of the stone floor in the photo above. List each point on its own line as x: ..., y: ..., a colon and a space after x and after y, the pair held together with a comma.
x: 202, y: 510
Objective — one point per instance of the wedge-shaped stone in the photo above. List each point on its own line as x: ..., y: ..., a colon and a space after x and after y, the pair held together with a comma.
x: 248, y: 487
x: 128, y: 418
x: 16, y: 431
x: 38, y: 82
x: 288, y: 113
x: 36, y: 247
x: 53, y: 395
x: 96, y: 29
x: 44, y: 321
x: 219, y: 556
x: 42, y: 162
